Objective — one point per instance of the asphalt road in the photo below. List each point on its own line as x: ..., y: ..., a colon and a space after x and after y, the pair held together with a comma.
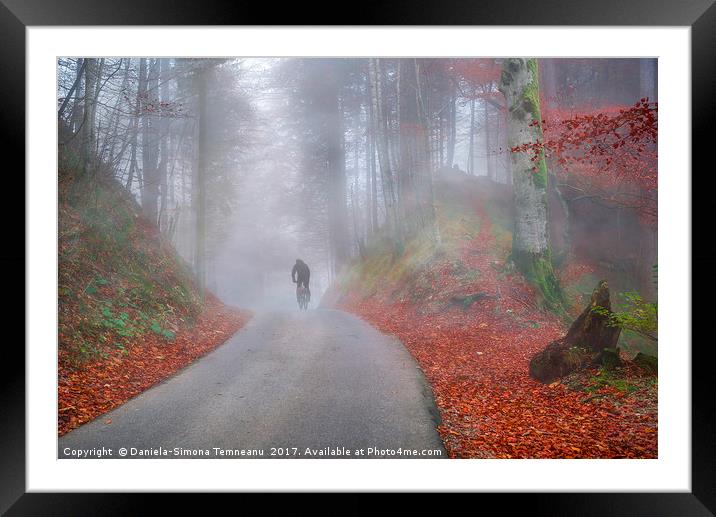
x: 312, y: 384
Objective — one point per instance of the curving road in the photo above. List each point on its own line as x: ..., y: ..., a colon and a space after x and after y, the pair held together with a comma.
x: 316, y: 384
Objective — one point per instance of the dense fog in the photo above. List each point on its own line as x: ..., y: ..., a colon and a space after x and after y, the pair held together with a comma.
x: 248, y: 164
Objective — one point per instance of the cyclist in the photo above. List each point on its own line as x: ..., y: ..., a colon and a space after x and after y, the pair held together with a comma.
x: 301, y: 275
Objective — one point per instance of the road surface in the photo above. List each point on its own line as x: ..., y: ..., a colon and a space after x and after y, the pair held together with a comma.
x: 315, y: 384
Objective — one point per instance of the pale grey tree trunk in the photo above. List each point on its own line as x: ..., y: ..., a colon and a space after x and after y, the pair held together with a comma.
x: 530, y: 244
x: 150, y: 143
x: 452, y: 127
x: 489, y: 151
x: 471, y: 151
x: 200, y: 186
x: 163, y: 143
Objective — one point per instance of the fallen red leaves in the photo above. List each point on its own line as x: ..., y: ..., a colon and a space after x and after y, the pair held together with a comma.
x: 476, y: 360
x: 96, y: 387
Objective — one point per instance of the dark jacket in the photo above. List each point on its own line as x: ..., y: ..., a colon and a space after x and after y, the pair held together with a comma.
x: 301, y: 269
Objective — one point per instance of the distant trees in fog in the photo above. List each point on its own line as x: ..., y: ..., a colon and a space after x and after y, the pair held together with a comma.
x: 169, y: 130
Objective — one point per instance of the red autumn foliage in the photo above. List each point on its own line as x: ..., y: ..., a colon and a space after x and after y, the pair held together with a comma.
x: 101, y: 385
x: 609, y: 151
x: 476, y: 360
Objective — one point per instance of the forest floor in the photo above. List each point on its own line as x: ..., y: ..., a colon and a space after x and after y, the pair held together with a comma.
x: 476, y: 353
x: 97, y: 386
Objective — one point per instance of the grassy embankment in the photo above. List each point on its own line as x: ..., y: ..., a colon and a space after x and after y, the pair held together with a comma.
x: 129, y: 314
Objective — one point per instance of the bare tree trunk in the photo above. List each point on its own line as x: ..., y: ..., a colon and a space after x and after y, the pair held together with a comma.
x: 452, y: 126
x: 471, y: 151
x: 424, y: 169
x: 110, y: 142
x: 337, y: 176
x: 381, y: 138
x: 88, y: 123
x: 530, y: 244
x: 407, y: 119
x: 489, y: 152
x: 360, y: 241
x: 163, y: 142
x: 200, y: 186
x: 369, y: 200
x: 95, y: 99
x: 373, y: 185
x: 150, y: 144
x: 77, y: 114
x: 141, y: 90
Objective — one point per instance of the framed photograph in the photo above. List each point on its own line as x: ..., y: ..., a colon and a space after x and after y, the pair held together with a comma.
x: 359, y: 250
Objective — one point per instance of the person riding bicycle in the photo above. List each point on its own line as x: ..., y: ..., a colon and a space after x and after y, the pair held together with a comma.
x: 301, y: 275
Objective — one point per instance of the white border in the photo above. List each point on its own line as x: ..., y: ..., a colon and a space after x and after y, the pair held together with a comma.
x: 671, y: 472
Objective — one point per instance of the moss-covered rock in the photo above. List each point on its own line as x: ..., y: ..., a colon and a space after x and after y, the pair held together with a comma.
x: 648, y: 363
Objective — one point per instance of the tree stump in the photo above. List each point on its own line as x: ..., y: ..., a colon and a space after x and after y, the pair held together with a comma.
x: 584, y: 343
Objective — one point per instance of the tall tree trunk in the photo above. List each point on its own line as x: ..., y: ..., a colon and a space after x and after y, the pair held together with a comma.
x: 408, y: 120
x: 77, y: 115
x: 380, y: 131
x: 360, y: 241
x: 489, y: 158
x: 88, y: 123
x: 95, y: 99
x: 415, y: 199
x: 471, y: 150
x: 163, y: 142
x: 426, y: 197
x: 452, y: 126
x: 337, y: 177
x: 110, y: 142
x: 369, y: 199
x: 200, y: 185
x: 150, y: 143
x: 530, y: 244
x: 141, y: 90
x: 373, y: 187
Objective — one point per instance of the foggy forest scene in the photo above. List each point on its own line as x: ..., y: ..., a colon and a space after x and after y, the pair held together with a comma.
x: 312, y: 257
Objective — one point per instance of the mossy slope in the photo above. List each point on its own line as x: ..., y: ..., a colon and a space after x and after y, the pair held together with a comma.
x: 118, y: 279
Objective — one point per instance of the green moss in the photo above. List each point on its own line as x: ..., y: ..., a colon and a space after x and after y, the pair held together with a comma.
x: 539, y: 178
x: 610, y: 377
x: 531, y: 104
x: 537, y: 269
x: 530, y: 95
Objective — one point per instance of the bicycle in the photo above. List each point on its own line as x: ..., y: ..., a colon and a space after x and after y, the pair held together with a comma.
x: 302, y: 297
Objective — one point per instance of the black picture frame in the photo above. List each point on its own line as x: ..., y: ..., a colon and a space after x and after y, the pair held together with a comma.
x: 700, y: 15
